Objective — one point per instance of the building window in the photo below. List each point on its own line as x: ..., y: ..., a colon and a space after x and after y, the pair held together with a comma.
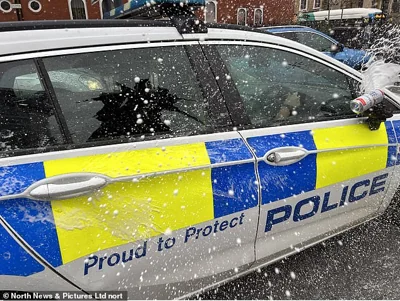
x: 317, y: 4
x: 117, y: 3
x: 77, y: 9
x: 242, y: 16
x: 107, y: 5
x: 258, y: 17
x: 303, y: 5
x: 35, y: 6
x: 211, y: 12
x: 5, y: 6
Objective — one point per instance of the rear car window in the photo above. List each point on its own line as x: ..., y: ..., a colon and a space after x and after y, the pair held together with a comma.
x: 27, y: 117
x: 134, y: 93
x: 314, y: 41
x: 287, y: 35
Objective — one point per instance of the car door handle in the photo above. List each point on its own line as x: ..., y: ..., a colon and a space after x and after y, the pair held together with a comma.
x: 65, y: 186
x: 282, y: 156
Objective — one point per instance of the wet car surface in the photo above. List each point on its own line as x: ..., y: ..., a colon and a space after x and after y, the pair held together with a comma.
x: 359, y: 264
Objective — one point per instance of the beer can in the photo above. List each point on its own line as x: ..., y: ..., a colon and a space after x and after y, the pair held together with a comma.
x: 366, y: 101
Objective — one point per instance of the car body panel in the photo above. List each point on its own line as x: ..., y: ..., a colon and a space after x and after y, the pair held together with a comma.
x: 326, y: 191
x: 16, y: 261
x: 175, y: 189
x: 184, y: 269
x: 23, y: 270
x: 395, y: 180
x: 14, y: 42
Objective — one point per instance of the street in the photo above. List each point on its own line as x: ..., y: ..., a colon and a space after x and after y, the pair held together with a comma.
x: 362, y: 263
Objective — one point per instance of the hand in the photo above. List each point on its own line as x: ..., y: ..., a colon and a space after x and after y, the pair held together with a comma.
x: 283, y: 113
x: 291, y: 102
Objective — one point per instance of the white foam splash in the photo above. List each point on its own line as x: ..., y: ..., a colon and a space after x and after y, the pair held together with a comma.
x: 379, y: 75
x: 384, y: 69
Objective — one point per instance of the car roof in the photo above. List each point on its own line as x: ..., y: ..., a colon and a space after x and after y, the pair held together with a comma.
x: 21, y: 39
x: 289, y: 28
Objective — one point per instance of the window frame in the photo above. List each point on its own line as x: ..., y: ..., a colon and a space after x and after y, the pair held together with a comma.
x: 262, y: 16
x: 217, y: 114
x: 316, y: 7
x: 233, y: 99
x: 44, y: 81
x: 245, y: 16
x: 70, y: 9
x: 100, y: 2
x: 6, y: 11
x: 215, y: 11
x: 305, y: 7
x: 32, y: 10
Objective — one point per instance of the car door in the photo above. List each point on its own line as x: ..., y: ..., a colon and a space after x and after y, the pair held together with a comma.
x: 151, y: 191
x: 392, y: 95
x: 321, y: 169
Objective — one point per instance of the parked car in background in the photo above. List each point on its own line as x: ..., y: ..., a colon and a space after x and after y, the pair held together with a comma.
x: 354, y: 58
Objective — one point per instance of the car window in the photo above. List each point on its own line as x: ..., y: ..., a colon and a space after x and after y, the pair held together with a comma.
x: 287, y: 35
x: 134, y: 93
x: 315, y: 41
x: 26, y: 118
x: 278, y: 86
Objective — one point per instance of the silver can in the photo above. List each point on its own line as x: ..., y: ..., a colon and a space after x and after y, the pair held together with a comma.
x: 366, y: 101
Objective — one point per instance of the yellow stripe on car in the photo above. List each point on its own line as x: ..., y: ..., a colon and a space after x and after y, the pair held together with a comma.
x: 129, y: 211
x: 334, y: 167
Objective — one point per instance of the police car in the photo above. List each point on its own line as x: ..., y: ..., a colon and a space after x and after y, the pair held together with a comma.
x: 166, y: 157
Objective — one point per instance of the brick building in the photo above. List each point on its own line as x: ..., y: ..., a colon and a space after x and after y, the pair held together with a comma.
x: 29, y: 10
x: 250, y: 12
x: 244, y: 12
